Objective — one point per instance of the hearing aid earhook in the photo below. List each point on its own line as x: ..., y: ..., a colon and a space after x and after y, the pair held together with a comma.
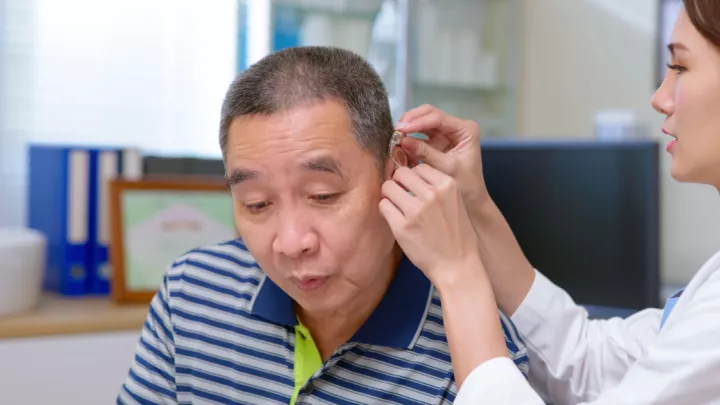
x: 396, y: 140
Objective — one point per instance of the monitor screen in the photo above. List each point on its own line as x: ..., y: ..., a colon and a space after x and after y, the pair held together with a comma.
x: 585, y: 213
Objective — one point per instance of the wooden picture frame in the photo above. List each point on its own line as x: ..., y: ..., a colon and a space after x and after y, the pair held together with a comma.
x: 154, y: 221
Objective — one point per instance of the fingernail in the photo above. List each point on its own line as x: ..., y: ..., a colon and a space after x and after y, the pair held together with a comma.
x: 400, y: 125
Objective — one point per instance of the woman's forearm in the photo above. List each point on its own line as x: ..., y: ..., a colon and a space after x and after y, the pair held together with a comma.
x: 509, y: 271
x: 471, y: 320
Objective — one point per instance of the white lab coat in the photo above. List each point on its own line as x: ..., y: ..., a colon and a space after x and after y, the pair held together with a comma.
x: 574, y: 360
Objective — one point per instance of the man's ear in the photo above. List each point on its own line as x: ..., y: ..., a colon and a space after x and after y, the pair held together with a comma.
x: 397, y: 158
x: 390, y: 168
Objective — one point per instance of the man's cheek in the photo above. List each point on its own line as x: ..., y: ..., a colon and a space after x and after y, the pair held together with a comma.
x: 257, y: 239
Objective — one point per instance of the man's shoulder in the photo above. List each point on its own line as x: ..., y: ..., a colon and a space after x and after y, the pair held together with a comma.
x: 514, y: 342
x: 223, y: 271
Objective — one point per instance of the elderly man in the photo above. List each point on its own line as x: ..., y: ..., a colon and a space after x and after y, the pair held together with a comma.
x: 315, y: 303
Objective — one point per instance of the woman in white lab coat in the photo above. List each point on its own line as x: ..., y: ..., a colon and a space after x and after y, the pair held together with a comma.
x: 450, y: 228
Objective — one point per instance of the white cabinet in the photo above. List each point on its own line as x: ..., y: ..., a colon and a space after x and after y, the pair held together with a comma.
x: 83, y: 369
x: 464, y: 57
x: 460, y: 55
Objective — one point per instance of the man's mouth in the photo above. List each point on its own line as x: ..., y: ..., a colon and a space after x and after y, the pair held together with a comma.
x: 310, y: 283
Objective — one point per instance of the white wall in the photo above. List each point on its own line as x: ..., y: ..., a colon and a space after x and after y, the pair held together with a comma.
x: 77, y: 369
x: 145, y: 73
x: 583, y: 55
x: 132, y: 72
x: 578, y: 58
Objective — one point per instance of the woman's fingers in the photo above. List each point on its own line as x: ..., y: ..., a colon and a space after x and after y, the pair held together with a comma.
x: 414, y: 113
x: 392, y: 214
x: 399, y: 197
x: 410, y: 181
x: 434, y: 177
x: 433, y: 122
x: 422, y: 152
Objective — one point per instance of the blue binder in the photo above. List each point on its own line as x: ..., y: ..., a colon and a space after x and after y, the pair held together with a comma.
x: 106, y: 165
x: 59, y: 206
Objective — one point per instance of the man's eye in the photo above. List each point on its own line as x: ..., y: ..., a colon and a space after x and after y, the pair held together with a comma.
x: 256, y: 208
x: 324, y: 197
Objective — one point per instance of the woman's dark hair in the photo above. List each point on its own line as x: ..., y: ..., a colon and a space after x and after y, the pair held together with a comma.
x: 705, y: 16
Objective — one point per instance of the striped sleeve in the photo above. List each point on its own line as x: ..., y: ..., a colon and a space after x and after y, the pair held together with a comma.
x: 515, y: 344
x: 151, y: 379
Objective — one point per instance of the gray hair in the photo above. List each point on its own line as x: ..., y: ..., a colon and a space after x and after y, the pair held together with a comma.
x: 302, y: 76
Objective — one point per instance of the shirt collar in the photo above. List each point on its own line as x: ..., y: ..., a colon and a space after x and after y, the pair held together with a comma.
x: 396, y: 322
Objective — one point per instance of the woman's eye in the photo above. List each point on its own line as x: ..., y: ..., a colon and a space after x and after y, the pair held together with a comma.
x: 677, y: 68
x: 256, y: 208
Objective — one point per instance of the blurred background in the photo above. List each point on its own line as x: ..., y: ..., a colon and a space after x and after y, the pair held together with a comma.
x: 558, y: 87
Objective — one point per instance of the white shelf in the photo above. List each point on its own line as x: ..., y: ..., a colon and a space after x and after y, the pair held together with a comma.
x: 480, y: 84
x: 449, y: 86
x: 346, y: 8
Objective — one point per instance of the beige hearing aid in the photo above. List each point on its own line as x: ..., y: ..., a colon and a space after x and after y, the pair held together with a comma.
x: 395, y: 150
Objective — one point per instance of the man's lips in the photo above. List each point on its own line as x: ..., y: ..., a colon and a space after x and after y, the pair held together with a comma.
x: 310, y: 283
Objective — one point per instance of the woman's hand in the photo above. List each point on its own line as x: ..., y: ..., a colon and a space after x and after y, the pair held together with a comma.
x: 453, y: 148
x: 426, y: 213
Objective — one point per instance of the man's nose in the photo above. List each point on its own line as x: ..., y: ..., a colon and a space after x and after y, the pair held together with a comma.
x: 294, y: 237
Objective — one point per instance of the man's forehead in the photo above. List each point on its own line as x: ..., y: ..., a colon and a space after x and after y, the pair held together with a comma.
x: 322, y: 126
x: 311, y: 139
x: 298, y: 118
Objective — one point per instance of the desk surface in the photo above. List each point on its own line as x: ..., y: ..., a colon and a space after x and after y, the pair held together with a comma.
x: 57, y: 315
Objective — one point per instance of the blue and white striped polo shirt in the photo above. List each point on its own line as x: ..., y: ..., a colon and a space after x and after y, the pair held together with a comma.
x: 220, y: 332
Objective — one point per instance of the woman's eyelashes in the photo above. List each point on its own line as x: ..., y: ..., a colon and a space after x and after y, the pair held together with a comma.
x: 677, y: 68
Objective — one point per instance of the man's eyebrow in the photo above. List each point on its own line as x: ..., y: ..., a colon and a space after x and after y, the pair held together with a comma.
x: 674, y: 46
x: 237, y: 176
x: 323, y: 164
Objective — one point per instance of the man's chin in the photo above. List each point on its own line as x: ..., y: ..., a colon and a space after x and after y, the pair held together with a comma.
x: 318, y: 305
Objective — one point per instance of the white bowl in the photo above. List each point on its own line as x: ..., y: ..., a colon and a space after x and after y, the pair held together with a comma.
x: 22, y: 262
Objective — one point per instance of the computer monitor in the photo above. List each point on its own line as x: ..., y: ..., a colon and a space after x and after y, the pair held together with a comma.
x: 585, y: 213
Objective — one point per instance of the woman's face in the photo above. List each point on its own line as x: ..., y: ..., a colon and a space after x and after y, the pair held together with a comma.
x: 689, y: 97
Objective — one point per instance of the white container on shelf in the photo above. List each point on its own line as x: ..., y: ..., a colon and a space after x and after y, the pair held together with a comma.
x: 465, y: 60
x: 444, y: 64
x: 317, y: 30
x: 616, y: 125
x: 353, y: 34
x: 426, y: 30
x: 486, y: 70
x: 22, y: 262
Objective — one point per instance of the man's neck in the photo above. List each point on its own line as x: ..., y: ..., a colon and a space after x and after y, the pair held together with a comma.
x: 330, y: 331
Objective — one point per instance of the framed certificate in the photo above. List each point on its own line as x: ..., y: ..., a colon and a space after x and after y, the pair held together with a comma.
x: 153, y: 222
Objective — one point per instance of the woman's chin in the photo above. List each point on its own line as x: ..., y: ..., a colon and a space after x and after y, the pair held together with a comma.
x: 680, y: 172
x: 683, y: 173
